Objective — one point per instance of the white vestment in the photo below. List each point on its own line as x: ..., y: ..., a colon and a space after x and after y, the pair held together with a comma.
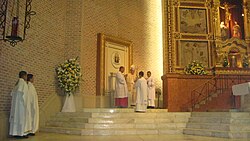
x: 18, y: 113
x: 121, y: 90
x: 141, y: 94
x: 131, y: 78
x: 151, y: 92
x: 34, y: 108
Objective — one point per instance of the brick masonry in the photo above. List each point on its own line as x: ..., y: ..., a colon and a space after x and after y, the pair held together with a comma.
x: 39, y: 54
x: 68, y: 28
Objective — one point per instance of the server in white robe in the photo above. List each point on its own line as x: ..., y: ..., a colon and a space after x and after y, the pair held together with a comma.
x: 121, y: 90
x: 131, y: 79
x: 18, y: 112
x: 141, y: 93
x: 34, y: 105
x: 151, y: 90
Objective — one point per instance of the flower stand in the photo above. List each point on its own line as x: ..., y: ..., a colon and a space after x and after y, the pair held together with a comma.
x: 69, y: 104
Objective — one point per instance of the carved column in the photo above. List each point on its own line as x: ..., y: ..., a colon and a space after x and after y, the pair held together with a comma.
x: 216, y: 16
x: 217, y: 32
x: 246, y: 10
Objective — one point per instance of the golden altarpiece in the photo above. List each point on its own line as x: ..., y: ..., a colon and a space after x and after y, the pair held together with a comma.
x: 213, y: 32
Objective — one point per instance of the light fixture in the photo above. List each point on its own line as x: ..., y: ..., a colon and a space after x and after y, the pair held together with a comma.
x: 15, y: 18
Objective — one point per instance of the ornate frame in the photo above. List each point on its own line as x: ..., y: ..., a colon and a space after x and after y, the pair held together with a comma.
x: 185, y: 49
x: 102, y: 39
x: 174, y: 35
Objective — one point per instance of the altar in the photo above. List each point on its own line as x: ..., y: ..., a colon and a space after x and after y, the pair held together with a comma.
x: 243, y: 90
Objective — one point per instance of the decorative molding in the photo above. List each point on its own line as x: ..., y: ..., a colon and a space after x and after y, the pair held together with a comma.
x: 246, y: 7
x: 176, y: 3
x: 102, y: 40
x: 210, y: 36
x: 169, y: 28
x: 177, y: 35
x: 208, y: 4
x: 28, y: 14
x: 3, y: 13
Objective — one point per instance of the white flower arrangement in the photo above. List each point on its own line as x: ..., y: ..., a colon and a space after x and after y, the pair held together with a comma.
x: 69, y: 75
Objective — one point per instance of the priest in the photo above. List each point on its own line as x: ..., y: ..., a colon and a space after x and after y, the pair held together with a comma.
x: 151, y: 90
x: 33, y: 105
x: 18, y: 112
x: 141, y: 93
x: 121, y: 90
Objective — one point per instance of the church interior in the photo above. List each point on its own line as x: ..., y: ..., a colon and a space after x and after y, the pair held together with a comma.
x: 197, y: 51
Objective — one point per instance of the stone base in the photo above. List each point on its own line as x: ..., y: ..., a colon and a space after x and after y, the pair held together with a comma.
x: 219, y: 124
x: 108, y: 121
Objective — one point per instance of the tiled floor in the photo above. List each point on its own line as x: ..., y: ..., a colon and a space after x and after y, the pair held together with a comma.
x: 62, y: 137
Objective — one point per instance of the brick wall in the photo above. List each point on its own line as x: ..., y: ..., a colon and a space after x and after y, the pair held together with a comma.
x: 68, y: 28
x: 135, y: 20
x: 39, y: 54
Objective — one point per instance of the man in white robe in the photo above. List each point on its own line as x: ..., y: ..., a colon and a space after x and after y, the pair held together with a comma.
x: 34, y: 105
x: 141, y: 93
x: 131, y: 79
x: 18, y: 112
x: 121, y: 90
x: 151, y: 90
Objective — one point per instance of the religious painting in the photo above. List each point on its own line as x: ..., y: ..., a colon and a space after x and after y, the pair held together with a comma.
x: 116, y: 59
x: 189, y: 51
x: 193, y: 21
x: 112, y: 53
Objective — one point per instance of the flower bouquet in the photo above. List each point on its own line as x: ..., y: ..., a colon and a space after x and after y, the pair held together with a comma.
x: 69, y: 75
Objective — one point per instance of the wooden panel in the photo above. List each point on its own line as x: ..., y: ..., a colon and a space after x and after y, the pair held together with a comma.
x: 177, y: 89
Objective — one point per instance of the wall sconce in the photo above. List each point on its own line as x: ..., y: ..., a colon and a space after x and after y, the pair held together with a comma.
x: 15, y: 18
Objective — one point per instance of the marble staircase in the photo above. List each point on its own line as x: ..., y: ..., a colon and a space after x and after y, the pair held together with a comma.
x: 219, y: 124
x: 104, y: 121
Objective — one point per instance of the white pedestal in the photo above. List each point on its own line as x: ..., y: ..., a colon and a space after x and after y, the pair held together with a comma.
x: 243, y: 91
x: 69, y: 104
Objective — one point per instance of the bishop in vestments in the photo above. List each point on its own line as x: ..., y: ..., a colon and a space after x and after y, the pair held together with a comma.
x: 131, y: 79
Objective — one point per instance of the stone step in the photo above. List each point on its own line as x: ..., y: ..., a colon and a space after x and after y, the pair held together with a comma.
x: 222, y: 114
x: 116, y: 126
x: 209, y: 126
x: 66, y: 124
x: 119, y: 110
x: 141, y: 115
x: 138, y: 120
x: 111, y: 120
x: 209, y: 120
x: 77, y: 131
x: 70, y: 119
x: 73, y: 114
x: 60, y: 130
x: 241, y: 121
x: 99, y: 121
x: 217, y: 133
x: 219, y: 120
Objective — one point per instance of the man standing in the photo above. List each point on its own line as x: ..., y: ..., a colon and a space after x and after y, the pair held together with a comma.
x: 121, y: 90
x: 141, y: 93
x: 151, y: 90
x: 131, y: 78
x: 18, y: 112
x: 34, y: 105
